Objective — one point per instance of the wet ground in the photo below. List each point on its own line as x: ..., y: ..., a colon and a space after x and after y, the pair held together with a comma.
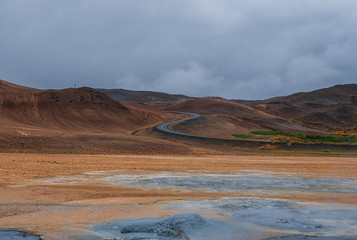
x: 71, y: 197
x: 240, y: 218
x: 8, y: 234
x: 304, y: 237
x: 228, y: 217
x: 237, y: 218
x: 194, y: 181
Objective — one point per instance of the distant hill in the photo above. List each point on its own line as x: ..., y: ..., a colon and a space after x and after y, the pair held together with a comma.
x: 223, y: 117
x: 325, y: 109
x: 109, y: 110
x: 156, y: 99
x: 71, y: 109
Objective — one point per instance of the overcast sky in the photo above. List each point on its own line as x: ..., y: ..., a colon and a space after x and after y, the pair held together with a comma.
x: 241, y: 49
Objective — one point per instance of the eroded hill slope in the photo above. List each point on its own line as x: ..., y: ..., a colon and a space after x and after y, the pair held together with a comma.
x: 223, y: 117
x: 326, y: 109
x: 71, y: 109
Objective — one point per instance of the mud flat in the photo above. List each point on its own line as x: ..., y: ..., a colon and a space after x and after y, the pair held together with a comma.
x: 237, y: 218
x: 241, y: 182
x: 86, y: 197
x: 253, y: 218
x: 183, y: 226
x: 299, y: 237
x: 9, y: 234
x: 259, y: 217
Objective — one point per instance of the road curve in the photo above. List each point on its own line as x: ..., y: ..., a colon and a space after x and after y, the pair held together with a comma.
x: 164, y: 127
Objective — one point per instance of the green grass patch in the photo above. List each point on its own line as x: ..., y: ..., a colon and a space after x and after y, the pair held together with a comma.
x: 273, y: 133
x: 318, y: 138
x: 325, y: 138
x: 241, y: 135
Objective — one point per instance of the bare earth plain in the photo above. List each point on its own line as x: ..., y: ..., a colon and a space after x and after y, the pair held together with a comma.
x: 69, y: 201
x: 76, y: 164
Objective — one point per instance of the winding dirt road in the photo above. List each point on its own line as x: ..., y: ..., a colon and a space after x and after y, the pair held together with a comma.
x: 164, y: 127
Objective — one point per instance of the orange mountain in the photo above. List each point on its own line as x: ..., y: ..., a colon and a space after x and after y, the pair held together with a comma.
x: 71, y: 109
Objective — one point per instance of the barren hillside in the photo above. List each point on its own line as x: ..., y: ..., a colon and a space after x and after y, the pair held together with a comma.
x: 71, y: 109
x: 326, y: 109
x: 223, y: 117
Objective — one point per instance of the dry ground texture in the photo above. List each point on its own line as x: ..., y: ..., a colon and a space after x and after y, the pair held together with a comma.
x: 57, y: 209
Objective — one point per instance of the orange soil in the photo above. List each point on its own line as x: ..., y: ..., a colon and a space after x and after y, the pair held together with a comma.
x: 45, y: 207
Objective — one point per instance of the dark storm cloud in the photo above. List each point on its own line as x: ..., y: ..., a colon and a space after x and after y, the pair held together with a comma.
x: 235, y: 49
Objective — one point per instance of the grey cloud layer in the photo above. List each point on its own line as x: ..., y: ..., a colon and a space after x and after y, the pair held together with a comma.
x: 248, y: 49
